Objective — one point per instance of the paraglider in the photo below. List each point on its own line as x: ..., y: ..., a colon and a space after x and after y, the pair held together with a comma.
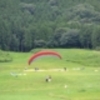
x: 43, y: 53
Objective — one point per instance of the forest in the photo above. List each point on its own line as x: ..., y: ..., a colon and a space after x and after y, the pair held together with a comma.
x: 29, y: 24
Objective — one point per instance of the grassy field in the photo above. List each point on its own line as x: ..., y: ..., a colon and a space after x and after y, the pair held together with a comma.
x: 81, y: 80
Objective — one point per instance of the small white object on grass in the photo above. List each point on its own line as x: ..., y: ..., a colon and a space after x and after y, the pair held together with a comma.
x: 96, y: 70
x: 49, y: 80
x: 65, y: 86
x: 24, y: 74
x: 14, y: 74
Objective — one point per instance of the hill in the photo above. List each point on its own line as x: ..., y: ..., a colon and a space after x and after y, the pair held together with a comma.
x: 27, y: 24
x: 70, y: 58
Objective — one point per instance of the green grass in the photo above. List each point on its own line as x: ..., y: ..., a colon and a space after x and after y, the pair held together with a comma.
x: 5, y: 57
x: 82, y: 84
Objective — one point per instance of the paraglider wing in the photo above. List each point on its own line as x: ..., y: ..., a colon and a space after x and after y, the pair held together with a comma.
x: 43, y: 53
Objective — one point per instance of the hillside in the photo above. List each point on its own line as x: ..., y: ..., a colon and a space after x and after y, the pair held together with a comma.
x: 20, y: 81
x: 27, y: 24
x: 71, y: 58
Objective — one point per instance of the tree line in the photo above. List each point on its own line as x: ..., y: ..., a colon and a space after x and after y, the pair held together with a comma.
x: 28, y: 24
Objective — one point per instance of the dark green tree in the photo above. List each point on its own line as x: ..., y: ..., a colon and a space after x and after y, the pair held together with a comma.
x: 85, y: 36
x: 70, y: 39
x: 96, y: 38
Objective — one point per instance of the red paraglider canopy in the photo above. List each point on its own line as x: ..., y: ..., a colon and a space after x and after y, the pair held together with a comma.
x: 43, y: 53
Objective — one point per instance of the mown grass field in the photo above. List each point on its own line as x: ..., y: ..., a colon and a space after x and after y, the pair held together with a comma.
x: 82, y: 77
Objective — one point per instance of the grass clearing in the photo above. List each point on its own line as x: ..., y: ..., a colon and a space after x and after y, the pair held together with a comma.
x: 82, y: 81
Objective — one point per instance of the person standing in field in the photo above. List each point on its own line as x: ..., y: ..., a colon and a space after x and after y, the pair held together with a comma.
x: 48, y: 79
